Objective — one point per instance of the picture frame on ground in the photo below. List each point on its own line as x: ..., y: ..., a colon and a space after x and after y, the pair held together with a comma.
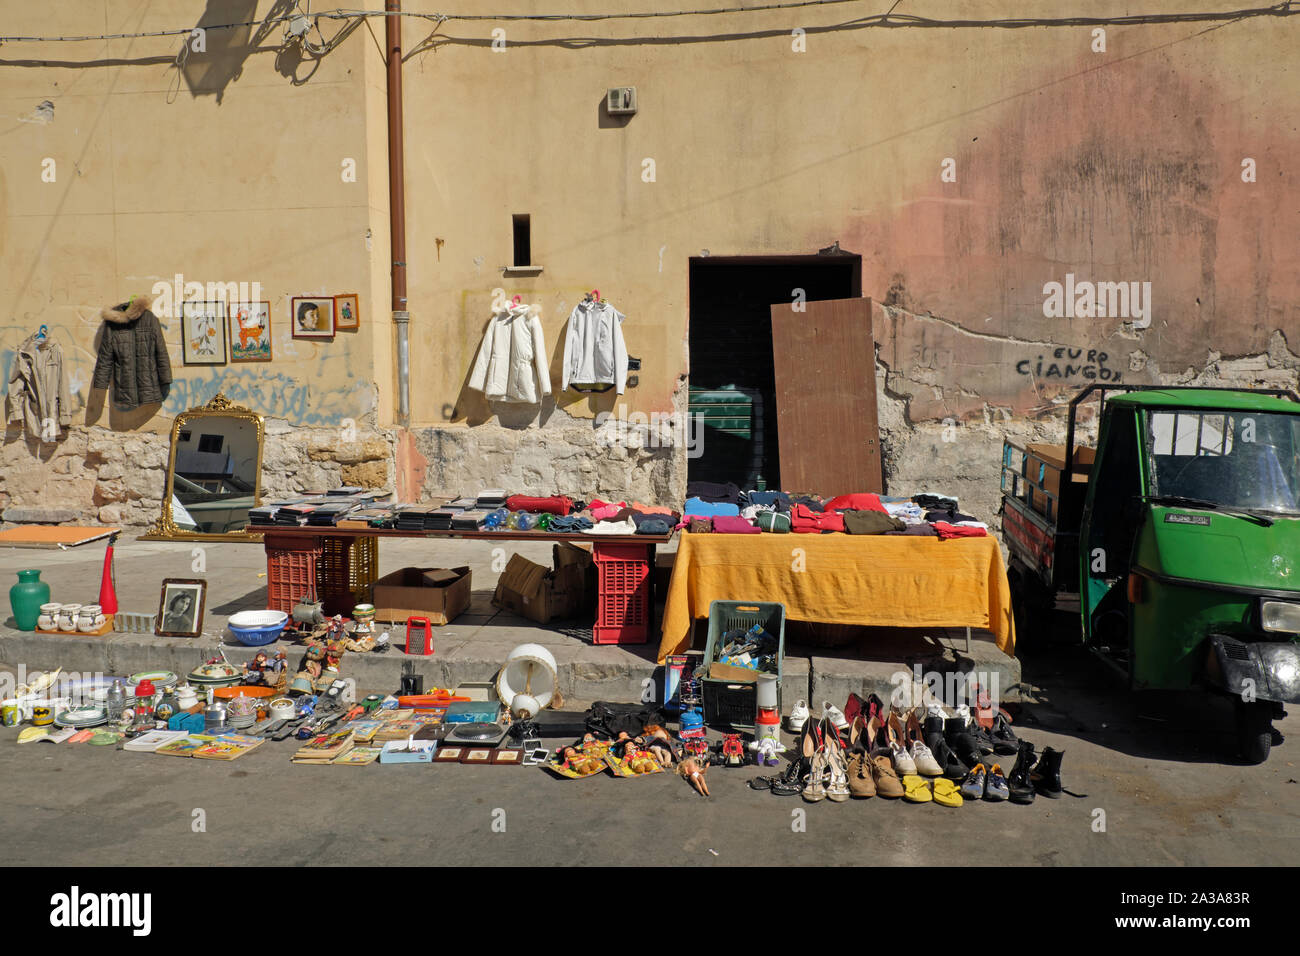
x: 250, y: 332
x: 312, y: 317
x: 203, y: 333
x: 347, y: 312
x: 180, y: 607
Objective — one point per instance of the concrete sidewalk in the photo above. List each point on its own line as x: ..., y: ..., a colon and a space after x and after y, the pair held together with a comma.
x: 471, y: 648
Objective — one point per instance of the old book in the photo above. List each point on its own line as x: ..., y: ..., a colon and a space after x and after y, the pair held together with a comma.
x: 324, y: 748
x: 228, y: 747
x: 358, y: 756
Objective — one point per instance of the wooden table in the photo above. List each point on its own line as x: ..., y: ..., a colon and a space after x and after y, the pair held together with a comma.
x: 601, y: 545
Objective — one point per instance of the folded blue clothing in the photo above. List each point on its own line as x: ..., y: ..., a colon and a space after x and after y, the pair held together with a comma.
x: 710, y: 509
x: 652, y: 524
x: 567, y: 523
x: 777, y: 500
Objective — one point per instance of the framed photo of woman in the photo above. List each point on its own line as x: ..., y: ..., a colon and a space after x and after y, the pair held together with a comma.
x: 180, y: 607
x: 312, y: 317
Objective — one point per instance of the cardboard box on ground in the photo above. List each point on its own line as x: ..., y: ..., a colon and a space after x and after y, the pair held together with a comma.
x: 440, y: 594
x: 542, y: 594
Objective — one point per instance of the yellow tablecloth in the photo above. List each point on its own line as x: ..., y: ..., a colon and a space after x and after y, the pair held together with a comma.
x: 882, y: 580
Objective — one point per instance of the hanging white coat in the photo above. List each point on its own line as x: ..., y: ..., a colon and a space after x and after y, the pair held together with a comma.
x: 594, y: 351
x: 511, y: 364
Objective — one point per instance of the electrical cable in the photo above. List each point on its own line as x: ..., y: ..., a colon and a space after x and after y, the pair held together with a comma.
x: 1286, y: 8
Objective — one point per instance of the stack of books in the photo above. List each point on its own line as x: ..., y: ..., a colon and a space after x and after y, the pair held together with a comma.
x: 325, y: 748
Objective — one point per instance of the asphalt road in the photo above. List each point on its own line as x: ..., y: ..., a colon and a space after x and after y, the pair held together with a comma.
x: 1154, y: 780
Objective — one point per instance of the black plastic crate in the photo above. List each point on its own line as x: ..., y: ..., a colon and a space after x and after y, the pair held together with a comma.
x: 729, y: 703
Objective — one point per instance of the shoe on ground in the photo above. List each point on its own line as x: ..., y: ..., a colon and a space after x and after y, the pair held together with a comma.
x: 798, y: 717
x: 924, y: 760
x: 995, y: 786
x: 953, y: 766
x: 917, y: 789
x: 946, y: 793
x: 862, y: 783
x: 888, y: 785
x: 972, y: 788
x: 1005, y: 743
x: 1019, y: 785
x: 834, y: 715
x: 903, y: 762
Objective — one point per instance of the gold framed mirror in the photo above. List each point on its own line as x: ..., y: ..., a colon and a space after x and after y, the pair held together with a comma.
x: 214, y: 475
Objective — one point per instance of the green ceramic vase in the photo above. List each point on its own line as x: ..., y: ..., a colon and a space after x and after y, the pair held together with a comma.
x: 26, y: 598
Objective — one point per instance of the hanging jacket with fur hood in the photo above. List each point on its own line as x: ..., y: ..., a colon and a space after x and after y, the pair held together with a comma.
x: 511, y: 364
x: 133, y: 355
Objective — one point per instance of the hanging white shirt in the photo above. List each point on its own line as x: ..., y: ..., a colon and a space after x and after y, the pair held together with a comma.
x: 594, y: 352
x: 511, y: 364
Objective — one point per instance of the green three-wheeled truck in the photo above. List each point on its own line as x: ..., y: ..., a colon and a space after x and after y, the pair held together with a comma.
x: 1180, y: 535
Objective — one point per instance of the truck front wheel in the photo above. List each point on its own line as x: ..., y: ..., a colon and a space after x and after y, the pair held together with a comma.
x: 1254, y: 730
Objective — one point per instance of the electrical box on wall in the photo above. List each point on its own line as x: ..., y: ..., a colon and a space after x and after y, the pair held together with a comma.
x: 620, y: 100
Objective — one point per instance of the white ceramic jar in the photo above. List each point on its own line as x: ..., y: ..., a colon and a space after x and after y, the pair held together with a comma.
x: 68, y: 615
x: 49, y: 617
x: 90, y: 618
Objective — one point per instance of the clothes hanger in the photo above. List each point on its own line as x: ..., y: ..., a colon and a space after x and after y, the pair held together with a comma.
x: 516, y: 300
x: 42, y: 333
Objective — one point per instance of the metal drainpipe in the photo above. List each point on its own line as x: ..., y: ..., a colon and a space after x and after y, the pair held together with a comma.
x: 397, y: 207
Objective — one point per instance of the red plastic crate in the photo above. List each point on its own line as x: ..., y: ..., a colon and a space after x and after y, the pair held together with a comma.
x: 291, y: 568
x: 623, y: 594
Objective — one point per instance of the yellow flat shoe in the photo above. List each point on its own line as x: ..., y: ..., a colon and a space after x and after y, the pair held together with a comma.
x: 916, y: 789
x: 946, y: 793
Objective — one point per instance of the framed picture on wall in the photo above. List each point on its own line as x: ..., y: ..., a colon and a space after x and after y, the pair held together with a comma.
x: 180, y: 607
x: 250, y: 332
x: 312, y: 317
x: 203, y: 333
x: 347, y: 313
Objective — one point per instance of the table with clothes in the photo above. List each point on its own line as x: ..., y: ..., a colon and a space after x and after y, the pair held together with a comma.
x: 858, y: 559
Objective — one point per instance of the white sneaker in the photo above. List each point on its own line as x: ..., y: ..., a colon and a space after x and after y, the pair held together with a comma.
x: 963, y: 711
x: 936, y: 710
x: 834, y: 715
x: 903, y: 763
x: 926, y: 765
x: 798, y: 716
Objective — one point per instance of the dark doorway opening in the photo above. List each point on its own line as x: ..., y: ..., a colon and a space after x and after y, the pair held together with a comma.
x: 730, y: 340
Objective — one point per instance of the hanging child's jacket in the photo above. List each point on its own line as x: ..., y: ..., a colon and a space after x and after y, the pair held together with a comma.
x: 594, y: 352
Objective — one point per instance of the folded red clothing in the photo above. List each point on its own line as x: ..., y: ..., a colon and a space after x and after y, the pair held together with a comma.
x: 554, y: 505
x: 730, y: 524
x: 803, y: 520
x: 946, y: 530
x: 857, y: 502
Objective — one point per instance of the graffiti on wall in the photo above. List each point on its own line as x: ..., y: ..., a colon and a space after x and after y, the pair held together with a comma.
x: 1067, y: 362
x: 273, y: 394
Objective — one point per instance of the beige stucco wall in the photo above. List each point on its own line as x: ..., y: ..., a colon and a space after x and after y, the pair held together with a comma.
x: 1122, y: 165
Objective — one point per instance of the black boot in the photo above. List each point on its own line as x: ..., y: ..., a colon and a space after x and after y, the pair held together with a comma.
x: 1021, y: 787
x: 1046, y: 777
x: 958, y: 736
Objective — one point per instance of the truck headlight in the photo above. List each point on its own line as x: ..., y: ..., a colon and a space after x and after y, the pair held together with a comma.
x: 1280, y: 616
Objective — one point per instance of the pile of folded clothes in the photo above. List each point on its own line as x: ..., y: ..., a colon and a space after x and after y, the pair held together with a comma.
x: 725, y: 509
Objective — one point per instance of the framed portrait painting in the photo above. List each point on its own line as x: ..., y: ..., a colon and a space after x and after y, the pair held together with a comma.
x: 347, y: 312
x: 312, y: 317
x: 203, y: 333
x: 180, y: 607
x: 250, y: 332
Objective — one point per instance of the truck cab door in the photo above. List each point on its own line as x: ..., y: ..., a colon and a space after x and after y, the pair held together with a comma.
x: 1111, y: 517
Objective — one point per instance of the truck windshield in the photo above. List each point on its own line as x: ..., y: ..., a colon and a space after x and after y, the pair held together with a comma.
x: 1244, y: 460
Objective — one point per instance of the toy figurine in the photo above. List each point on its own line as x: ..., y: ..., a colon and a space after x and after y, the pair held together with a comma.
x: 255, y: 670
x: 334, y: 652
x: 692, y: 771
x: 312, y: 660
x: 765, y: 751
x: 731, y: 751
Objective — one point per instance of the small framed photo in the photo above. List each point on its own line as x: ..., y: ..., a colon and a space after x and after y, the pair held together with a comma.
x: 203, y: 333
x: 250, y: 332
x: 515, y: 757
x: 180, y: 607
x: 347, y: 313
x: 481, y: 755
x: 312, y: 317
x: 448, y: 754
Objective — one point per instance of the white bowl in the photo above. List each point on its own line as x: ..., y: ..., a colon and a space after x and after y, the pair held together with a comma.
x: 258, y: 619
